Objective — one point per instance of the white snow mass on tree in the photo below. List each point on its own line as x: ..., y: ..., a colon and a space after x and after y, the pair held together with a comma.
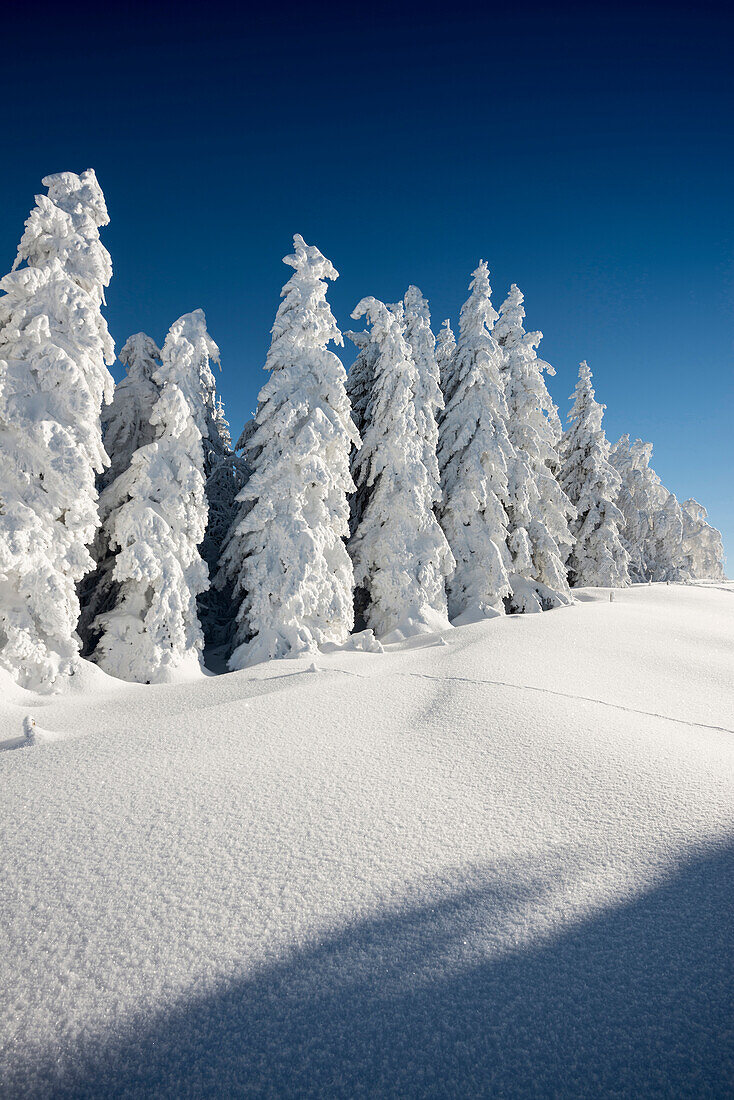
x: 475, y: 455
x: 592, y: 485
x: 126, y: 427
x: 157, y: 518
x: 401, y: 557
x: 538, y: 510
x: 54, y: 352
x: 666, y: 541
x: 445, y: 352
x: 285, y: 554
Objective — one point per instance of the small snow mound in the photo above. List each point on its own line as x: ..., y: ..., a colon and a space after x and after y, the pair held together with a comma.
x: 428, y: 622
x: 33, y: 734
x: 476, y: 613
x: 365, y: 641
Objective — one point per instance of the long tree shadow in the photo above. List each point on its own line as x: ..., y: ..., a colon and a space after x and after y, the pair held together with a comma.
x: 633, y: 1002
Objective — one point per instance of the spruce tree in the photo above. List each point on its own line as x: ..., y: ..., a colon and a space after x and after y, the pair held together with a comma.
x: 126, y: 422
x: 592, y: 485
x: 157, y: 515
x: 429, y: 399
x: 360, y: 385
x: 445, y: 352
x: 538, y: 510
x: 401, y: 557
x: 652, y: 531
x: 703, y: 549
x: 361, y: 376
x: 285, y: 554
x: 54, y: 352
x: 126, y: 426
x: 475, y: 455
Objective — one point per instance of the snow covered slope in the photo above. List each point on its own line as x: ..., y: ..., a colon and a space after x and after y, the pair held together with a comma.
x: 500, y: 865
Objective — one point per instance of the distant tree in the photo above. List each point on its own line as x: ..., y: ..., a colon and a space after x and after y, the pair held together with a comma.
x: 445, y: 351
x: 401, y: 557
x: 638, y: 501
x: 285, y: 554
x: 54, y: 347
x: 703, y: 548
x: 475, y: 455
x: 538, y: 510
x: 157, y: 515
x: 652, y: 531
x: 592, y: 485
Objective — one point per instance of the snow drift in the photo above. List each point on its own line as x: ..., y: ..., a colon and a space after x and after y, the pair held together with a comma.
x: 501, y: 865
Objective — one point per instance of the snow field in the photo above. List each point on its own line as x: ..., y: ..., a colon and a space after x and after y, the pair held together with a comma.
x: 431, y: 871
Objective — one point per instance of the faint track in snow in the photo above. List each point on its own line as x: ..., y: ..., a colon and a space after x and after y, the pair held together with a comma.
x: 566, y: 695
x: 711, y: 588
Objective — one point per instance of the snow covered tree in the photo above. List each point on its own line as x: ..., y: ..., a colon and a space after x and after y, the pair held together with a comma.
x: 157, y: 515
x: 703, y: 549
x: 126, y: 426
x: 666, y: 541
x: 285, y: 554
x: 360, y: 383
x: 401, y: 557
x: 445, y: 351
x: 429, y: 399
x: 652, y: 532
x: 54, y: 352
x: 126, y: 422
x: 670, y: 564
x: 474, y: 455
x: 361, y: 377
x: 638, y: 500
x: 592, y: 485
x: 538, y: 510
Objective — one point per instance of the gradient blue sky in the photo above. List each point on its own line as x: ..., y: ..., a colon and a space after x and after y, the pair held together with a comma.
x: 584, y: 150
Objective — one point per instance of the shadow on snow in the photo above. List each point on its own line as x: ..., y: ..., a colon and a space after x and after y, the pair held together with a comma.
x: 635, y: 1000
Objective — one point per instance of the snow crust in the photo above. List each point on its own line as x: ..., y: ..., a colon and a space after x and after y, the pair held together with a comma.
x: 493, y: 861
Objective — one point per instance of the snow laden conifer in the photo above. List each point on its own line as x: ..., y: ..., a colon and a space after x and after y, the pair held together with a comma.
x: 429, y: 399
x: 54, y: 352
x: 157, y: 518
x: 445, y: 352
x: 224, y: 477
x: 538, y: 510
x: 360, y: 383
x: 285, y: 554
x: 401, y: 557
x: 361, y: 377
x: 592, y: 485
x: 638, y: 500
x: 126, y: 427
x: 475, y: 454
x: 703, y: 548
x: 126, y: 422
x: 652, y: 531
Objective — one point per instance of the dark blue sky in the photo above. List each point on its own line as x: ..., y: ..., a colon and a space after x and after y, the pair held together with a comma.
x: 585, y: 151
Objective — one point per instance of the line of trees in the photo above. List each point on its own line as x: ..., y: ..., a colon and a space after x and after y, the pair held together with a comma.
x: 433, y: 484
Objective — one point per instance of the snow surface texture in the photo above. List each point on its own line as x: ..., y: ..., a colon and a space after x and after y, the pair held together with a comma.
x: 498, y: 866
